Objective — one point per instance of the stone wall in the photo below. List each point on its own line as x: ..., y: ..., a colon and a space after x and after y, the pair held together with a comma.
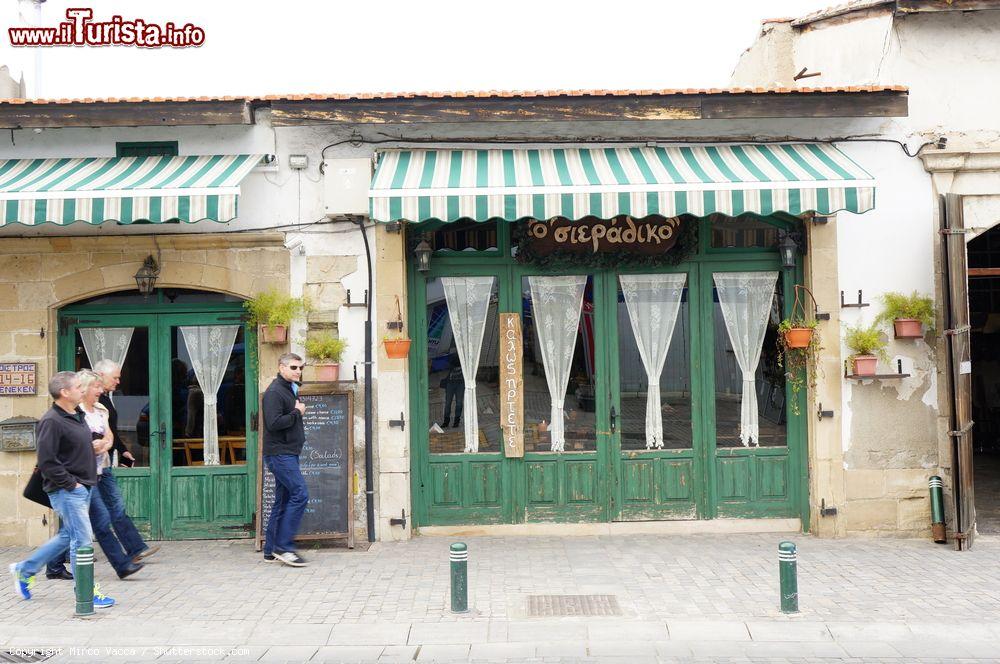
x: 40, y: 275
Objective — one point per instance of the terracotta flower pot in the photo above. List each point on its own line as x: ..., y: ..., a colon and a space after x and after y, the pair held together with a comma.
x: 274, y: 334
x: 908, y: 328
x: 864, y: 365
x: 799, y: 337
x: 327, y: 373
x: 396, y: 349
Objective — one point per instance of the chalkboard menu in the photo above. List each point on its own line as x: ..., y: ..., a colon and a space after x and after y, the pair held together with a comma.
x: 327, y: 466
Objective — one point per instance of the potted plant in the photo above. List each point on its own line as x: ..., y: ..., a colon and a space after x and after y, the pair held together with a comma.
x: 867, y: 346
x: 274, y: 311
x: 908, y: 313
x: 798, y: 361
x: 397, y: 348
x: 326, y: 351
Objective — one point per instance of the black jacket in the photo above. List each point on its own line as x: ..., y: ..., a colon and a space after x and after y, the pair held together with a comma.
x: 119, y: 444
x: 284, y: 432
x: 65, y: 452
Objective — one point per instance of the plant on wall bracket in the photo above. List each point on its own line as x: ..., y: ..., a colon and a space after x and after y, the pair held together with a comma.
x: 799, y: 346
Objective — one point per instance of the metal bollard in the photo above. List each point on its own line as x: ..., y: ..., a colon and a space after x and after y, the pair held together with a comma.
x: 83, y: 575
x: 937, y: 509
x: 459, y: 577
x: 788, y: 575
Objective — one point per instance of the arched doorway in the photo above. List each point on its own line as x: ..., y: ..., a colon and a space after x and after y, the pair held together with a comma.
x: 185, y: 355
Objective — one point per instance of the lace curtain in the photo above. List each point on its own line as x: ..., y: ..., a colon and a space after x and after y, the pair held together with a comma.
x: 468, y: 300
x: 653, y: 302
x: 556, y: 303
x: 210, y: 347
x: 745, y: 299
x: 106, y: 343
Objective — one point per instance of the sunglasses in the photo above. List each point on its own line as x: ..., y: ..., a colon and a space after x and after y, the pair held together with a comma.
x: 296, y: 367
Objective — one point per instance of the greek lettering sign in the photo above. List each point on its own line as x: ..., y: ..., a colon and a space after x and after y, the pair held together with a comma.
x: 17, y: 378
x: 594, y: 236
x: 511, y: 385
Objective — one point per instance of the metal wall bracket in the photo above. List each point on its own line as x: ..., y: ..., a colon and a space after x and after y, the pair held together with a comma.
x: 396, y: 325
x: 393, y: 227
x: 363, y: 303
x: 401, y: 423
x: 826, y: 511
x: 845, y: 305
x: 822, y: 315
x: 400, y: 521
x: 820, y: 413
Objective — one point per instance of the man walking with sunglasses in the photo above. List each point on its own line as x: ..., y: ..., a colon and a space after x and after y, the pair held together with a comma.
x: 284, y: 435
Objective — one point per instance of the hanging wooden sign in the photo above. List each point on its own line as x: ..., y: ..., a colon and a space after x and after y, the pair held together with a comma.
x: 511, y: 385
x: 648, y: 237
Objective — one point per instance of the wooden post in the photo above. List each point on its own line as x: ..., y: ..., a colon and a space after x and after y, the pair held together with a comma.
x: 511, y: 385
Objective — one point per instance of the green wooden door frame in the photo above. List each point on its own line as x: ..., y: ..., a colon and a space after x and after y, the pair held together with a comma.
x: 704, y: 455
x: 159, y: 317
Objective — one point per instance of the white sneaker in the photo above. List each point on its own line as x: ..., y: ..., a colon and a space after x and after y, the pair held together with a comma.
x: 291, y: 558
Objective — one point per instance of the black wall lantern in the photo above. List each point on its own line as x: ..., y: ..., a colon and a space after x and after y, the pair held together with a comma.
x: 423, y: 253
x: 788, y: 247
x: 145, y: 277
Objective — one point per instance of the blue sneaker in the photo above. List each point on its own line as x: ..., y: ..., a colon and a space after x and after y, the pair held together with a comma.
x: 22, y: 583
x: 102, y: 601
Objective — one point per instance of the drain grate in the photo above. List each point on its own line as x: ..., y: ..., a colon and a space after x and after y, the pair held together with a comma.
x: 540, y: 606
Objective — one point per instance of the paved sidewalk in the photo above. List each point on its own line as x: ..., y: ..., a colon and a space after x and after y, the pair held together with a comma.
x: 681, y: 598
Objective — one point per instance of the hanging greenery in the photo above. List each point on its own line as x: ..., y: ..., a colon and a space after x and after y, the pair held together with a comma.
x: 524, y: 241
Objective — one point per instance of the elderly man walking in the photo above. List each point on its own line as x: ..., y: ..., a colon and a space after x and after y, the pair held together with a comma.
x: 284, y: 436
x: 69, y: 473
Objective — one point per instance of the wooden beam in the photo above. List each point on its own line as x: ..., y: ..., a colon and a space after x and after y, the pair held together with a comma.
x: 609, y: 109
x: 984, y: 271
x: 125, y: 114
x: 886, y: 104
x: 919, y: 6
x: 538, y: 109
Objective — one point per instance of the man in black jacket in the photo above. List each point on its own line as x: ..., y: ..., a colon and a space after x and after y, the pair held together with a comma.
x: 69, y: 474
x: 284, y: 436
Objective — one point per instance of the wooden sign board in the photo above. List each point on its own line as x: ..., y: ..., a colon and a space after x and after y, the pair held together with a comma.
x: 17, y: 379
x: 649, y: 237
x: 327, y: 466
x: 511, y: 385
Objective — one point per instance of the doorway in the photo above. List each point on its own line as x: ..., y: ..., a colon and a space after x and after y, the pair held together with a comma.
x: 593, y: 340
x: 187, y: 405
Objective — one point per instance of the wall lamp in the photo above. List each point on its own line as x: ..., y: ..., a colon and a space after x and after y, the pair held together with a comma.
x: 423, y: 253
x: 145, y: 277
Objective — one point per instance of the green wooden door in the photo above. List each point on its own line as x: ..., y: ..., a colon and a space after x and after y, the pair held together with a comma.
x: 170, y: 493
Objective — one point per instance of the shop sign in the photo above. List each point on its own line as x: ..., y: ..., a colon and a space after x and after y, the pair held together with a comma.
x: 17, y: 378
x: 648, y: 237
x: 511, y: 385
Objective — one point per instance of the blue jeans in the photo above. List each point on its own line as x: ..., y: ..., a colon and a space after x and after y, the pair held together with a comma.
x: 290, y: 498
x: 101, y: 520
x: 73, y: 508
x: 126, y: 531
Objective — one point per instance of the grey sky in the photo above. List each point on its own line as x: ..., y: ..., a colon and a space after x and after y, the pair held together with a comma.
x: 305, y: 46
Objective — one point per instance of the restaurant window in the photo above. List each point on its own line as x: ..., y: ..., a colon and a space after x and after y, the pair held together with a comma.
x: 744, y: 232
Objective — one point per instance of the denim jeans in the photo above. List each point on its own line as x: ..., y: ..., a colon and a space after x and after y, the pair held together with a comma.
x: 454, y: 391
x: 126, y: 531
x: 73, y: 508
x: 290, y: 498
x: 101, y: 522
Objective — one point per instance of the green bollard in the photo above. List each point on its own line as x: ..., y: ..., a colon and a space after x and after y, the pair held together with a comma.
x: 83, y: 575
x: 937, y: 509
x: 459, y: 578
x: 788, y: 575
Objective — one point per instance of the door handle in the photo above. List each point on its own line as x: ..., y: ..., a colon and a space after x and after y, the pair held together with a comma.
x: 613, y: 419
x: 162, y: 434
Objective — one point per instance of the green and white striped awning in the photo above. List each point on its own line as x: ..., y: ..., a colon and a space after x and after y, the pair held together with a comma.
x: 513, y: 184
x: 123, y: 189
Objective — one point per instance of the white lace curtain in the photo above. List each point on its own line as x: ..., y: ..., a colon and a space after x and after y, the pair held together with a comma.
x: 653, y: 302
x: 556, y: 303
x: 745, y: 299
x: 468, y: 300
x: 106, y: 343
x: 209, y: 347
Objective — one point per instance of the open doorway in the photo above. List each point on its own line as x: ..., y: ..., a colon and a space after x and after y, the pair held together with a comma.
x: 984, y: 317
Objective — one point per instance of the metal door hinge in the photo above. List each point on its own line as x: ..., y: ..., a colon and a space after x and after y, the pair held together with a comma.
x: 958, y: 330
x: 961, y: 432
x: 955, y: 231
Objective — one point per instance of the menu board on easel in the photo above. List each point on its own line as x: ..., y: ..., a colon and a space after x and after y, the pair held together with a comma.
x: 327, y: 467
